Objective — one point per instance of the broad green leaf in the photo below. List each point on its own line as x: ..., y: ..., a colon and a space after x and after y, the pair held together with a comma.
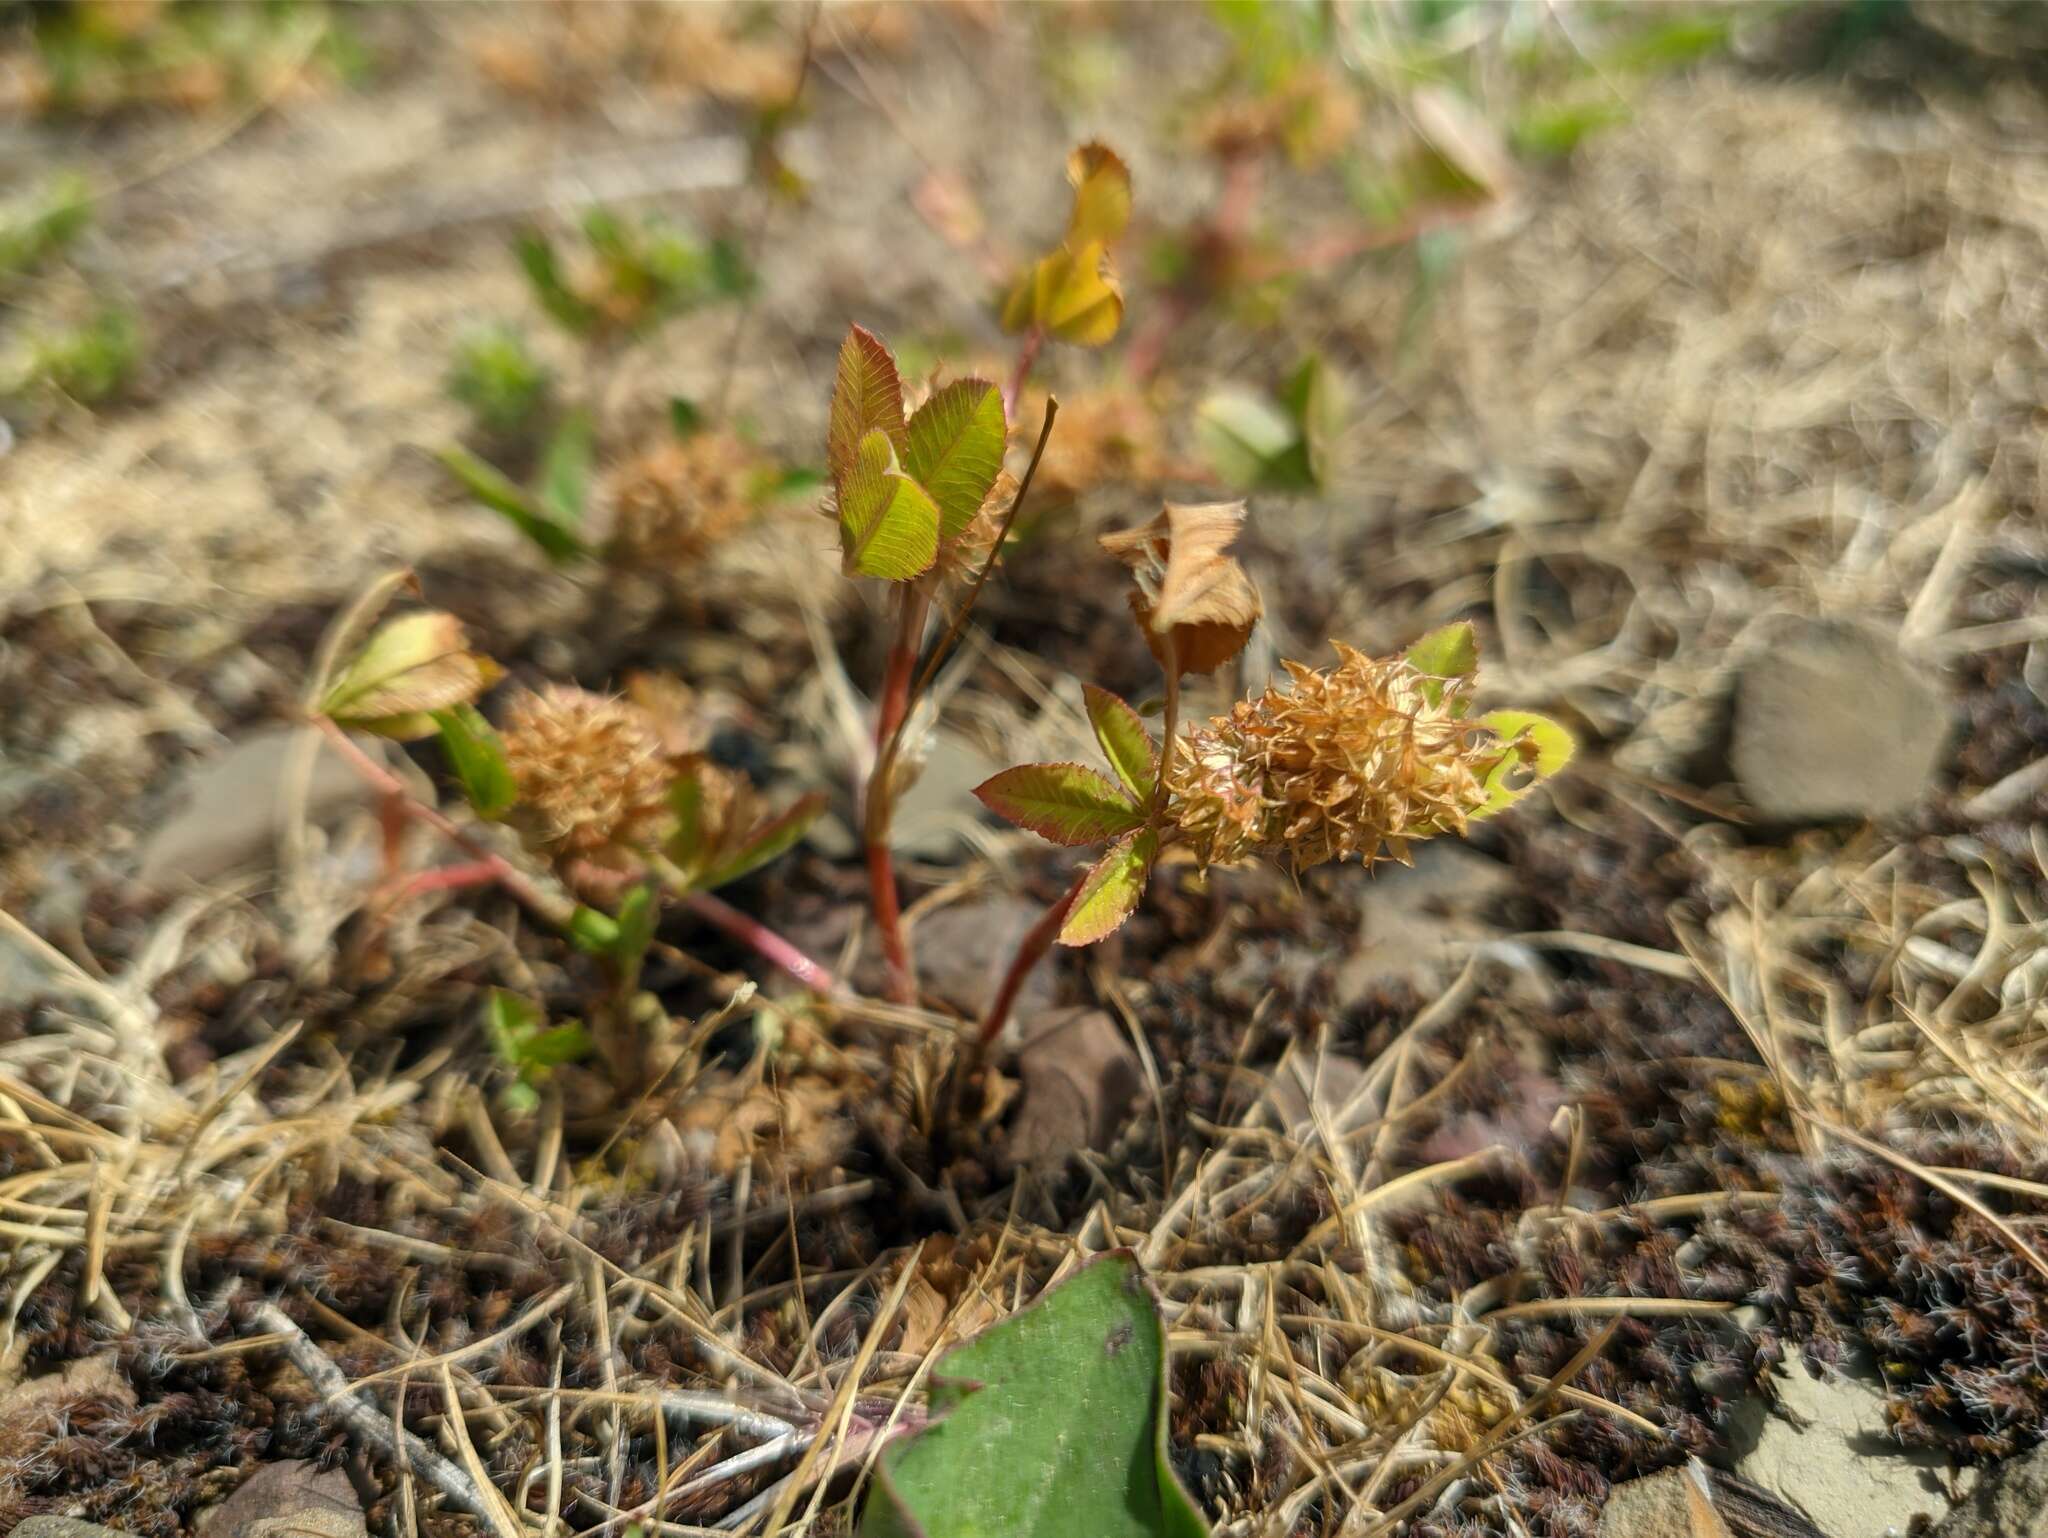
x: 1077, y: 297
x: 1067, y: 804
x: 1249, y: 439
x: 768, y: 842
x: 411, y: 667
x: 1534, y: 748
x: 1449, y: 651
x: 1319, y: 403
x: 1125, y: 742
x: 565, y: 469
x: 1102, y: 195
x: 497, y: 492
x: 867, y: 397
x: 956, y: 449
x: 888, y: 525
x: 565, y: 1043
x: 478, y: 759
x: 537, y: 257
x: 1047, y: 1425
x: 1112, y: 890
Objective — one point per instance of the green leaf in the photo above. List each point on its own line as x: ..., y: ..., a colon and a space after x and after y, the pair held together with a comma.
x: 867, y: 397
x: 1533, y: 749
x: 537, y: 258
x: 1067, y: 804
x: 1319, y: 403
x: 1049, y: 1424
x: 1112, y: 889
x: 685, y: 416
x: 769, y: 841
x: 497, y: 492
x: 478, y: 759
x: 1449, y: 651
x: 956, y: 449
x: 888, y: 525
x: 565, y: 469
x: 414, y: 665
x: 592, y: 932
x: 564, y: 1043
x: 639, y: 912
x: 1250, y: 440
x: 510, y: 1021
x: 1125, y: 742
x: 686, y: 802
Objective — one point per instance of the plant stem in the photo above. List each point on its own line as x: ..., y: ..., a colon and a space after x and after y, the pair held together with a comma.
x: 1026, y: 356
x: 764, y: 941
x: 1169, y: 726
x: 913, y: 605
x: 1030, y: 951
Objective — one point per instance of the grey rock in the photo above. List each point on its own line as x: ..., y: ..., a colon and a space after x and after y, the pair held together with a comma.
x: 61, y: 1527
x: 1825, y: 1448
x: 1079, y: 1075
x: 964, y: 948
x: 230, y: 809
x: 288, y: 1499
x: 2010, y: 1501
x: 1829, y: 722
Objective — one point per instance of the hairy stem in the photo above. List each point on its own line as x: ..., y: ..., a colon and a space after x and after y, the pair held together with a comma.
x: 765, y: 942
x: 913, y: 604
x: 1030, y: 951
x: 1026, y: 356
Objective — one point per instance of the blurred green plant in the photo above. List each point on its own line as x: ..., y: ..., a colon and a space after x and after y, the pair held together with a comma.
x: 44, y: 224
x: 526, y: 1045
x: 496, y: 375
x: 1256, y: 442
x: 89, y: 361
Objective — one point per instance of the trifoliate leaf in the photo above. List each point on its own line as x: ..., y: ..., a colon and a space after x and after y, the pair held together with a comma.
x: 1049, y: 1424
x: 956, y: 449
x: 478, y: 759
x: 888, y: 524
x: 1068, y: 804
x: 1125, y: 742
x: 1112, y: 889
x: 867, y: 397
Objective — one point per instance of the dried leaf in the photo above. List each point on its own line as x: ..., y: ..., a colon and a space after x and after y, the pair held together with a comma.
x: 1066, y: 804
x: 1189, y: 592
x: 1102, y: 195
x: 411, y: 667
x: 1112, y: 889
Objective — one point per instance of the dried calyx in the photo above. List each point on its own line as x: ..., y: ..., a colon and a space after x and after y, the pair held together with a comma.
x: 593, y: 774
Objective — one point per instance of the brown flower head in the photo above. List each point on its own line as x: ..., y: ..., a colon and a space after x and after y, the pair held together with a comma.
x: 593, y: 775
x: 1194, y: 603
x: 677, y: 502
x: 1358, y: 759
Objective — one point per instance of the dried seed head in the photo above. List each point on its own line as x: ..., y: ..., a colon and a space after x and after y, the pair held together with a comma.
x: 962, y: 557
x: 674, y: 504
x: 593, y: 775
x: 1108, y: 436
x: 1352, y: 760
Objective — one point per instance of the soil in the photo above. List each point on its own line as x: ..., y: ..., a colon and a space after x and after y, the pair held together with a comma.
x: 1770, y: 347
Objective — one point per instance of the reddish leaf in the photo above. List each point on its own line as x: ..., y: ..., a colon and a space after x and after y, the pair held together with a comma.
x: 1067, y: 804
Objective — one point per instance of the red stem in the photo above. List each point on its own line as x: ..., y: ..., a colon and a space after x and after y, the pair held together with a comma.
x: 765, y: 941
x: 913, y: 604
x: 1030, y: 952
x: 1026, y: 356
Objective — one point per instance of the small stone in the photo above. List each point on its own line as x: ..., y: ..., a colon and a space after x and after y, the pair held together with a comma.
x: 2010, y: 1501
x: 231, y: 809
x: 1654, y: 1506
x: 61, y: 1527
x: 1079, y: 1075
x: 964, y: 949
x: 290, y: 1499
x: 1829, y: 722
x: 1417, y: 923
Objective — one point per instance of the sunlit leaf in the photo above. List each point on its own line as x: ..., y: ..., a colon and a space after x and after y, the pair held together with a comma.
x: 478, y: 759
x: 1112, y: 889
x: 686, y: 803
x: 411, y: 667
x: 1125, y: 742
x: 1049, y: 1424
x: 867, y: 397
x: 888, y: 525
x: 1533, y: 749
x: 639, y: 913
x: 1249, y: 439
x: 592, y: 932
x: 1449, y: 651
x: 1102, y: 195
x: 956, y: 449
x: 565, y: 1043
x: 1077, y: 297
x: 1067, y: 804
